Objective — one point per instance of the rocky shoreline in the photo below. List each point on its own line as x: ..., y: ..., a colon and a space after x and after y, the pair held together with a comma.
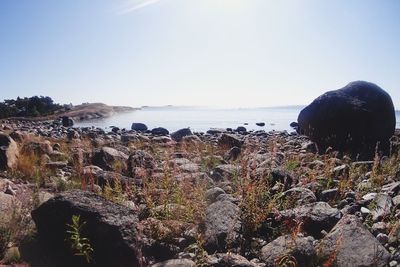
x: 222, y: 198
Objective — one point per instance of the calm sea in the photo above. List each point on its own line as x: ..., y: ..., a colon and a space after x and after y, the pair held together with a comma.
x: 203, y: 119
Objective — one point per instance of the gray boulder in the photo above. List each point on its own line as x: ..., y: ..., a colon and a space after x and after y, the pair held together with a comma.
x: 314, y: 217
x: 300, y: 250
x: 110, y: 159
x: 351, y: 244
x: 222, y: 226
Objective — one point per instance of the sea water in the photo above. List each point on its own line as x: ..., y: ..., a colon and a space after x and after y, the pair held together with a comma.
x: 201, y: 119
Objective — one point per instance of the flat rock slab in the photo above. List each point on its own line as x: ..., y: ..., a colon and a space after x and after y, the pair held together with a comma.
x: 350, y: 244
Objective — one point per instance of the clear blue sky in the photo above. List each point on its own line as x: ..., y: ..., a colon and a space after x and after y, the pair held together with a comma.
x: 237, y: 53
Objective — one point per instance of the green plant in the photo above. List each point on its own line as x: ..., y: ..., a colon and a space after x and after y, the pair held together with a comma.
x: 80, y: 245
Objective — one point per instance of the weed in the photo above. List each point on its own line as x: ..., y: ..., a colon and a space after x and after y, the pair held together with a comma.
x: 80, y: 245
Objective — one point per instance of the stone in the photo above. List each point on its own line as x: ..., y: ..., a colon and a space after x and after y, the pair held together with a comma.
x: 103, y: 178
x: 391, y: 189
x: 110, y: 159
x: 341, y: 171
x: 351, y: 244
x: 109, y: 227
x: 159, y: 131
x: 140, y: 163
x: 18, y: 136
x: 382, y: 238
x: 9, y: 152
x: 180, y: 134
x: 381, y: 206
x: 310, y: 147
x: 212, y: 194
x: 282, y: 176
x: 229, y: 141
x: 314, y: 217
x: 222, y: 226
x: 139, y: 127
x: 225, y: 171
x: 261, y: 124
x: 67, y: 121
x: 329, y: 194
x: 230, y: 259
x: 354, y: 119
x: 8, y: 204
x: 241, y: 129
x: 299, y: 196
x: 301, y: 249
x: 39, y: 148
x: 175, y: 263
x: 233, y: 154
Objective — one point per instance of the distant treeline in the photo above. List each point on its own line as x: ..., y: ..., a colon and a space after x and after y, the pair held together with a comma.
x: 28, y: 107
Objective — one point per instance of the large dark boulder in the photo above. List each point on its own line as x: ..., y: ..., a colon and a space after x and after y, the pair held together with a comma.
x: 351, y: 119
x: 109, y: 227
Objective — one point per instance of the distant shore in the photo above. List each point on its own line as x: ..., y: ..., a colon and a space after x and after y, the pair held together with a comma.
x: 86, y: 111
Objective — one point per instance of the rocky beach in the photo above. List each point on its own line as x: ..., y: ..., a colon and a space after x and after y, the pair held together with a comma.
x: 227, y: 197
x: 84, y: 197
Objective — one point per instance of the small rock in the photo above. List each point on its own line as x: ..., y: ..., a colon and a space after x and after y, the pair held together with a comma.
x: 229, y: 141
x: 382, y: 238
x: 381, y: 208
x: 140, y: 127
x: 341, y: 171
x: 180, y: 134
x: 241, y: 129
x: 160, y: 131
x: 212, y: 194
x: 175, y: 263
x: 299, y: 195
x: 329, y: 195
